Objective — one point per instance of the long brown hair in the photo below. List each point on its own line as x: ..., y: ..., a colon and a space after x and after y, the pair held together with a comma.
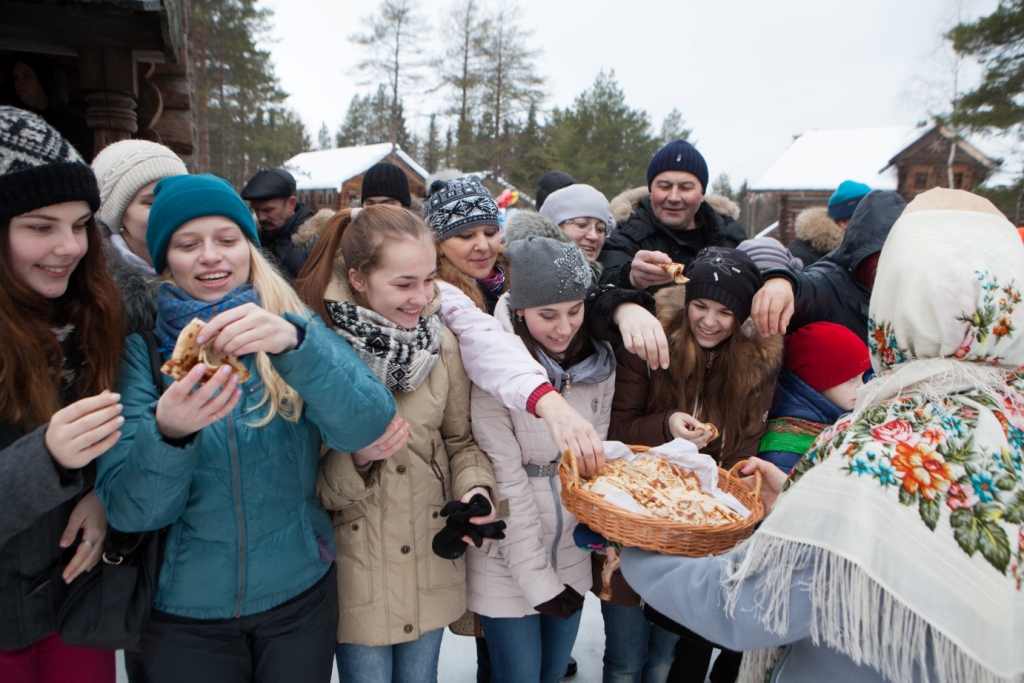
x: 31, y: 361
x: 448, y: 272
x: 358, y: 235
x: 724, y: 394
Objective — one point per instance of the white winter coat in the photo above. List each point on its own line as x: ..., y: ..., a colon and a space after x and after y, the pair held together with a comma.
x: 507, y: 578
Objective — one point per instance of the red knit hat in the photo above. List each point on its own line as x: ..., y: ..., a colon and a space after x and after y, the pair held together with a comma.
x: 825, y: 355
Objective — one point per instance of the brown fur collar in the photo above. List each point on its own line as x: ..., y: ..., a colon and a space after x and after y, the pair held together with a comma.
x: 623, y: 204
x: 744, y: 367
x: 817, y: 229
x: 310, y: 230
x: 447, y: 272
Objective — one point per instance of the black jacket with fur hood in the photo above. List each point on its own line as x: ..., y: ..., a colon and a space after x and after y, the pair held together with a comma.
x: 288, y: 247
x: 643, y: 231
x: 816, y: 235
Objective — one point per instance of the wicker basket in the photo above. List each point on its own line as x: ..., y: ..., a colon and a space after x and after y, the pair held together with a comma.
x: 661, y: 535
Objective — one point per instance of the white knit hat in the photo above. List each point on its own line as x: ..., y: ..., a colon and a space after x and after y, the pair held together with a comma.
x: 577, y: 201
x: 124, y: 168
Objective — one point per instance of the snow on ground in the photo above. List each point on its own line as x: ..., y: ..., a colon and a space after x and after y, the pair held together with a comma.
x: 458, y: 653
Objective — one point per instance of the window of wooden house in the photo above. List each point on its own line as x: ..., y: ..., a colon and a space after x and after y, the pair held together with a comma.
x: 921, y: 180
x: 958, y: 181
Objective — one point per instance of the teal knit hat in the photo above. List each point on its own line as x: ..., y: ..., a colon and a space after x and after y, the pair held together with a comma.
x: 180, y: 199
x: 844, y: 202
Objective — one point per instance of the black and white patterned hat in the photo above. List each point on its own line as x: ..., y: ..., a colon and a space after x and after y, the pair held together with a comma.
x: 458, y: 205
x: 545, y: 272
x: 38, y: 167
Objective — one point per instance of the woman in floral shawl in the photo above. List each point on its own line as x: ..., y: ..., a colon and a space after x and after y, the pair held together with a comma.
x: 895, y: 553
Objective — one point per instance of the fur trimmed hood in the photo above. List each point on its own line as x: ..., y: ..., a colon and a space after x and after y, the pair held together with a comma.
x: 818, y: 230
x: 625, y: 202
x: 138, y: 291
x: 761, y: 357
x: 309, y: 231
x: 522, y: 224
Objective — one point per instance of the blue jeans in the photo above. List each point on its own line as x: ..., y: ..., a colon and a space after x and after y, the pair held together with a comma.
x: 635, y: 650
x: 412, y: 662
x: 531, y: 648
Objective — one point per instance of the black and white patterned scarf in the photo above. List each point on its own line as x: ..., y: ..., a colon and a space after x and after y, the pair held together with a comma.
x: 400, y: 358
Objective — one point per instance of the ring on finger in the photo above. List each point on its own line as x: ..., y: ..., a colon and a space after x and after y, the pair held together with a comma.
x: 87, y: 543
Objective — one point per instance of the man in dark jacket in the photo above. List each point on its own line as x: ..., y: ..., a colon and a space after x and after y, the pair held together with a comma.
x: 837, y: 288
x: 271, y: 193
x: 670, y: 225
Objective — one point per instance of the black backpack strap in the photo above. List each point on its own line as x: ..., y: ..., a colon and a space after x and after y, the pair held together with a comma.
x: 154, y: 360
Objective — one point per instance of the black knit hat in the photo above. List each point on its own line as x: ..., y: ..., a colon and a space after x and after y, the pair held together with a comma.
x: 458, y: 205
x: 678, y: 155
x: 552, y: 181
x: 387, y: 180
x: 727, y: 276
x: 38, y: 167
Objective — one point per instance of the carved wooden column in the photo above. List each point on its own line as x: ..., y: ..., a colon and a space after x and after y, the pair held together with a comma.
x: 108, y: 77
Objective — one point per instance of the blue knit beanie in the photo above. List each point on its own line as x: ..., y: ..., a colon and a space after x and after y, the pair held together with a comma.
x: 180, y: 199
x: 844, y: 202
x: 678, y: 155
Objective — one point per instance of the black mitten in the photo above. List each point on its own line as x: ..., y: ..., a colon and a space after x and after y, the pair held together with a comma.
x: 448, y: 541
x: 563, y: 605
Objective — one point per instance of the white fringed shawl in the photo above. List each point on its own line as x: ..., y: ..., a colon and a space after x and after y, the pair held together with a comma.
x: 909, y: 511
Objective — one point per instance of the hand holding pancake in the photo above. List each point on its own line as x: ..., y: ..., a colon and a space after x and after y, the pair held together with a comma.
x: 181, y: 411
x: 249, y: 329
x: 685, y: 426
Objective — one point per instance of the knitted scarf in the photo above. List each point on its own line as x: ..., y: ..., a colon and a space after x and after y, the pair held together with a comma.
x: 910, y: 510
x: 402, y: 359
x: 175, y: 309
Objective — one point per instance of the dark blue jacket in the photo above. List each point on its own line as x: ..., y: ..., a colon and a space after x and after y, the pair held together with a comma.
x: 795, y: 398
x: 248, y: 532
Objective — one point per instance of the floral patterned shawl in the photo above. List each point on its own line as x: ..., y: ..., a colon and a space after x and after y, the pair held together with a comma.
x: 910, y: 510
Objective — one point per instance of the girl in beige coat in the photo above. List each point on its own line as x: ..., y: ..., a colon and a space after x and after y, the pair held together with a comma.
x: 528, y: 588
x: 371, y: 277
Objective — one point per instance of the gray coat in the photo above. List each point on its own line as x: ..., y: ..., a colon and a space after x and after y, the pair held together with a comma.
x: 689, y: 590
x: 36, y: 499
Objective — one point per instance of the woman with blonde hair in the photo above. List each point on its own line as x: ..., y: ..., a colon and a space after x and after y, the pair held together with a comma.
x: 231, y: 466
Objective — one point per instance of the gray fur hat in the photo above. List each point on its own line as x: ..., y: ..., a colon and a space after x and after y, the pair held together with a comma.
x: 545, y: 271
x: 577, y: 201
x: 521, y: 224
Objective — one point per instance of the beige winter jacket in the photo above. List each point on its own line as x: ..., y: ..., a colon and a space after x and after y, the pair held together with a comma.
x: 538, y: 557
x: 391, y: 586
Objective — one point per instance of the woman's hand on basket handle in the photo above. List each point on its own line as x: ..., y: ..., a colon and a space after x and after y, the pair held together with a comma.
x: 772, y: 481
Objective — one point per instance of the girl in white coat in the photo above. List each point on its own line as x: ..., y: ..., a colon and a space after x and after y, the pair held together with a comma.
x: 528, y: 588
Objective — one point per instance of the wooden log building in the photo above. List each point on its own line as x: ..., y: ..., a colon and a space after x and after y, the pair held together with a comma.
x: 333, y: 178
x: 909, y: 160
x: 124, y: 62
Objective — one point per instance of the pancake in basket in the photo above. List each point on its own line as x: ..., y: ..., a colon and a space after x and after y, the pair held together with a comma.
x: 663, y: 489
x: 188, y: 354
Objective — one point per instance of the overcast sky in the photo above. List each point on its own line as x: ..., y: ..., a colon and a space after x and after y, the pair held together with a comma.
x: 747, y: 75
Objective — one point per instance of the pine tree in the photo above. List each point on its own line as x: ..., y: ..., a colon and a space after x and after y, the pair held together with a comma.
x: 673, y: 128
x: 368, y: 121
x: 242, y: 120
x: 432, y: 148
x: 512, y: 84
x: 323, y: 138
x: 393, y: 46
x: 462, y: 67
x: 601, y: 139
x: 532, y: 154
x: 722, y: 186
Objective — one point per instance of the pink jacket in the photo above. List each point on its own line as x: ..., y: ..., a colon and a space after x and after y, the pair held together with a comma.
x: 495, y: 360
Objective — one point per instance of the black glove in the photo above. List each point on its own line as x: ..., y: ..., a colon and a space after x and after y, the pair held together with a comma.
x: 563, y: 605
x: 448, y: 541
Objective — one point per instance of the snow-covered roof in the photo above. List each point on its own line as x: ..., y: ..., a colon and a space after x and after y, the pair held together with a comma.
x: 331, y: 168
x: 822, y: 159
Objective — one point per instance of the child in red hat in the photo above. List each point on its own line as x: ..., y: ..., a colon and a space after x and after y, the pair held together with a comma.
x: 824, y: 368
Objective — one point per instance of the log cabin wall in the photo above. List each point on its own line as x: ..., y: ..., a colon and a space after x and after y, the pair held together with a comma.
x: 124, y: 62
x: 924, y: 165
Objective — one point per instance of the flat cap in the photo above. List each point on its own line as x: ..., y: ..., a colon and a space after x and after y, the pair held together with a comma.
x: 270, y: 183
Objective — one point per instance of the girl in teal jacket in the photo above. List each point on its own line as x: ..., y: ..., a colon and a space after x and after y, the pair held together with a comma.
x: 246, y: 588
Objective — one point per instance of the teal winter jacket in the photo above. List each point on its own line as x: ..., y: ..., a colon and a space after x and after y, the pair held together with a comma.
x: 247, y: 530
